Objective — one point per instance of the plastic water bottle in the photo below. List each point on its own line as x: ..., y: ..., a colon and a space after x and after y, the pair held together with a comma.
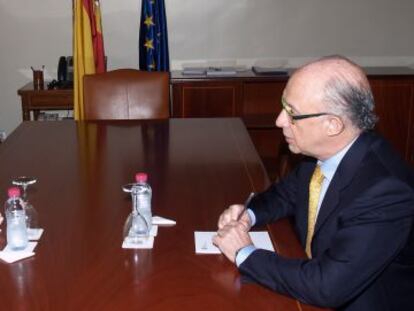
x: 143, y: 194
x: 16, y: 220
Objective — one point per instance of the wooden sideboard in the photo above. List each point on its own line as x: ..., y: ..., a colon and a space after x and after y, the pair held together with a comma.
x: 256, y: 99
x: 37, y: 100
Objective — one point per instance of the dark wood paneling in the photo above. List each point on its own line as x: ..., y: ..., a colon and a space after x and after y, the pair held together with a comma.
x: 256, y: 100
x: 394, y: 102
x: 209, y: 99
x: 262, y: 97
x: 268, y: 144
x: 267, y: 141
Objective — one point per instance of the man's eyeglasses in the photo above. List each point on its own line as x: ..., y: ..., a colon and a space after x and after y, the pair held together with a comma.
x: 293, y: 117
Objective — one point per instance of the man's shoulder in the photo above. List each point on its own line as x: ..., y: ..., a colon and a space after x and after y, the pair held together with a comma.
x: 382, y: 159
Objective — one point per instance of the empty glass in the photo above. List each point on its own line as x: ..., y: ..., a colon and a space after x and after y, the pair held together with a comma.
x: 136, y: 227
x: 31, y: 214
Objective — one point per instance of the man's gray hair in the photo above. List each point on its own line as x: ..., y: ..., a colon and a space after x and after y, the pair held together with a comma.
x: 347, y: 92
x: 354, y: 101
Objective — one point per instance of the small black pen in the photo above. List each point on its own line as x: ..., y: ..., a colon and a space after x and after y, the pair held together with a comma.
x: 246, y: 203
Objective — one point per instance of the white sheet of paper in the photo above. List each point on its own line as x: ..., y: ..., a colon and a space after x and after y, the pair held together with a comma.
x: 143, y: 242
x: 161, y: 221
x: 34, y: 234
x: 10, y: 256
x: 204, y: 245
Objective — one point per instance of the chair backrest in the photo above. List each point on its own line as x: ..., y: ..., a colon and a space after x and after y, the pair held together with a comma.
x: 126, y: 94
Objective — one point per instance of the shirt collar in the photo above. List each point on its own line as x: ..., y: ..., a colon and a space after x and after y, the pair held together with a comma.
x: 329, y: 166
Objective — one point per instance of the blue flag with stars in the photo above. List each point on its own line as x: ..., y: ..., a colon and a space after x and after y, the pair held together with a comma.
x: 153, y: 38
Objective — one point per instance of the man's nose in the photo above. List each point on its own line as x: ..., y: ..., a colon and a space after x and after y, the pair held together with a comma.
x: 282, y: 119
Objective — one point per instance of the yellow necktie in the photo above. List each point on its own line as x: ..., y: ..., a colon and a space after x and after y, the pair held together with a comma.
x: 314, y: 191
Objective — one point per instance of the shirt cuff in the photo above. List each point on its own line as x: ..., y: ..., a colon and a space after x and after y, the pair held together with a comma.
x: 243, y: 253
x: 252, y: 216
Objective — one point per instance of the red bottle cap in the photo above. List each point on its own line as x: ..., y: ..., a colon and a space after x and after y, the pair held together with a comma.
x: 13, y: 192
x: 141, y: 177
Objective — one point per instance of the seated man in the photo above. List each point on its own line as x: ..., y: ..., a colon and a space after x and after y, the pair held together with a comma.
x: 352, y: 200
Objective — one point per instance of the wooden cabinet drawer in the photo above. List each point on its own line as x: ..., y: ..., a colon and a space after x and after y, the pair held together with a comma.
x: 262, y: 97
x: 207, y: 99
x: 48, y: 101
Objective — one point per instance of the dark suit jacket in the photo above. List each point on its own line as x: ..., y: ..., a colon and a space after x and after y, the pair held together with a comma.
x: 363, y: 246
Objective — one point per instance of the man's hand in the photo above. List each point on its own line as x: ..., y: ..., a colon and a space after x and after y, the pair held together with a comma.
x: 232, y: 214
x: 232, y: 237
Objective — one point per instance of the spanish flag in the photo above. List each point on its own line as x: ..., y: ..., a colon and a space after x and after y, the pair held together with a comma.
x: 88, y: 48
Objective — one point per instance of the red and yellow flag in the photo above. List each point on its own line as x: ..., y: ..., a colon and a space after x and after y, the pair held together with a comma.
x: 88, y: 48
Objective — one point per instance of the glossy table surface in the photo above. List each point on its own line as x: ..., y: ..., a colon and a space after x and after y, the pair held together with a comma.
x: 196, y: 167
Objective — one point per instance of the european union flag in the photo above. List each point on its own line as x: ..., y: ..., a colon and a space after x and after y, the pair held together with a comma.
x: 153, y: 38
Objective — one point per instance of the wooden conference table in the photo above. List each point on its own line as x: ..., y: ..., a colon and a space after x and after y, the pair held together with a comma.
x: 196, y: 167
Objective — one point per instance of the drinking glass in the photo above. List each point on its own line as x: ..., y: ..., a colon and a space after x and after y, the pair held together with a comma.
x: 31, y: 214
x: 136, y: 227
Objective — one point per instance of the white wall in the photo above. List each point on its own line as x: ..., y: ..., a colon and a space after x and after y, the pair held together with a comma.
x: 32, y: 33
x: 237, y: 32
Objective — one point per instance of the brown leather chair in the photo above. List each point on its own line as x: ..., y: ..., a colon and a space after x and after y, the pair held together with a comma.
x: 126, y: 94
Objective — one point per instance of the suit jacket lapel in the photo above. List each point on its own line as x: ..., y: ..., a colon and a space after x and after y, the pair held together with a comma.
x: 344, y: 174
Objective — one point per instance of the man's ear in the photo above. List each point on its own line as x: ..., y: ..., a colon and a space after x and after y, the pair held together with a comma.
x: 334, y: 126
